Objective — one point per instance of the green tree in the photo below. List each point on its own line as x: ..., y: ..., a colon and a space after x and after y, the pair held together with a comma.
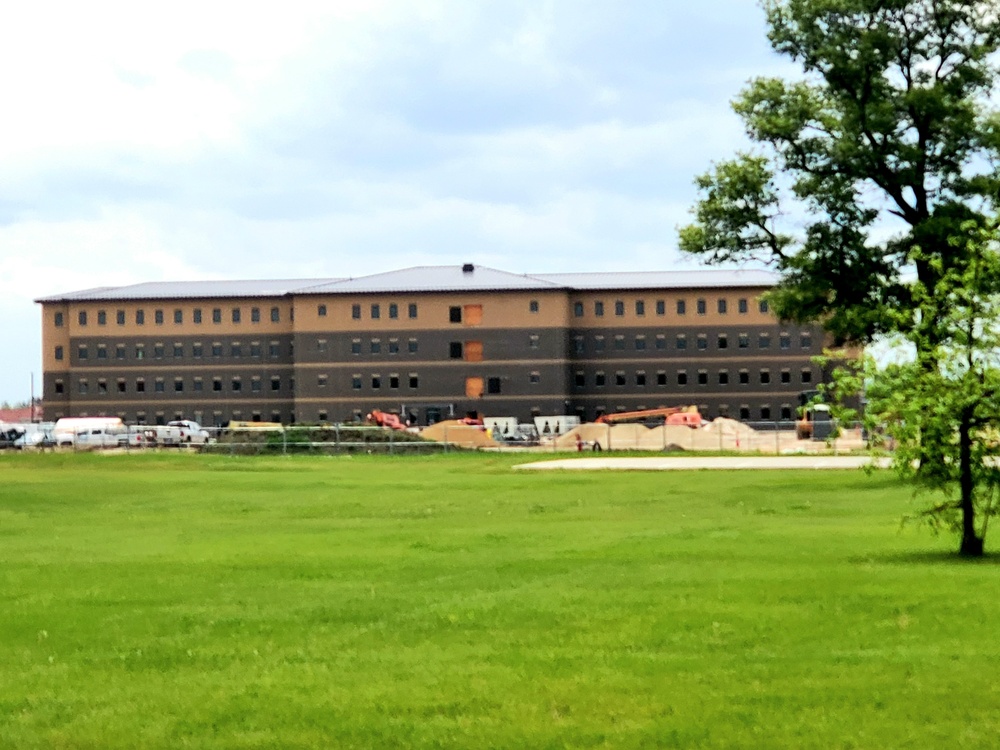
x: 872, y: 172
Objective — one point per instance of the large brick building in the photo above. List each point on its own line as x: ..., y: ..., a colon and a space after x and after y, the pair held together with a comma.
x: 430, y: 342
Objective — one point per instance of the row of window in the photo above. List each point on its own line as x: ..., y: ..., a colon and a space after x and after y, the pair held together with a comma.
x: 158, y: 351
x: 680, y: 307
x: 375, y: 311
x: 235, y: 316
x: 702, y: 377
x: 722, y: 340
x: 255, y: 384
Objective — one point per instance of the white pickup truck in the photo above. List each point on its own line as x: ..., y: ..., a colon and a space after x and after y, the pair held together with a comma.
x: 176, y: 434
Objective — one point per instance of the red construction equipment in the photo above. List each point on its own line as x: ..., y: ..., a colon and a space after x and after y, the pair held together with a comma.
x: 385, y: 419
x: 682, y: 415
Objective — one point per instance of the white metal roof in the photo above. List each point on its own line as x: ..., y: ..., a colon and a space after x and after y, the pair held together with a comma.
x: 427, y: 279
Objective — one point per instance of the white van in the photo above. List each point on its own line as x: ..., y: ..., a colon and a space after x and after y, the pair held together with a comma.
x: 91, y: 432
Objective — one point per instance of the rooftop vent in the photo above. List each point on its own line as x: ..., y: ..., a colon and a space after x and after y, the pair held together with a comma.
x: 468, y: 268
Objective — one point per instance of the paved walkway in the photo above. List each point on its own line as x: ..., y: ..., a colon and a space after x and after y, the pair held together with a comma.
x: 660, y: 463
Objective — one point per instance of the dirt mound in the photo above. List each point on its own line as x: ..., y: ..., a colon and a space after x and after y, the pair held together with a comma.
x: 455, y: 433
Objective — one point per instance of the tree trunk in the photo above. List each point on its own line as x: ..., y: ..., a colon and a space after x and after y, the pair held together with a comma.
x: 972, y: 545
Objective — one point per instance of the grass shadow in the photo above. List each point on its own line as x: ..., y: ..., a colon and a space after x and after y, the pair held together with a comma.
x: 927, y: 557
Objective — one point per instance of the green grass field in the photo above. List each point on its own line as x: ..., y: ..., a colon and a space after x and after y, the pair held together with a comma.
x: 211, y: 602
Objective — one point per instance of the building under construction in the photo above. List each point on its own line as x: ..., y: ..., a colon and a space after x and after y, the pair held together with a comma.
x: 428, y: 343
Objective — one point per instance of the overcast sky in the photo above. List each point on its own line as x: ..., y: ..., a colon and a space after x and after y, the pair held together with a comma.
x: 144, y: 142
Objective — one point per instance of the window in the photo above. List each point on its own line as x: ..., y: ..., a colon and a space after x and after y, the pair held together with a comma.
x: 744, y: 340
x: 742, y: 306
x: 723, y: 341
x: 619, y: 307
x: 744, y: 377
x: 216, y: 349
x: 275, y: 315
x: 661, y: 377
x: 356, y: 312
x: 640, y: 343
x: 59, y: 353
x: 119, y: 351
x: 102, y: 351
x: 599, y: 309
x: 355, y: 346
x: 786, y: 376
x: 661, y: 307
x: 158, y: 351
x: 158, y: 317
x: 376, y: 311
x: 807, y: 376
x: 178, y: 317
x: 640, y: 378
x: 682, y: 377
x: 681, y: 307
x: 620, y: 377
x: 159, y: 386
x: 196, y: 350
x: 178, y: 385
x: 765, y: 376
x: 414, y: 380
x: 702, y: 377
x: 620, y: 343
x: 764, y: 307
x: 578, y: 345
x: 120, y: 317
x: 82, y: 386
x: 196, y: 315
x: 217, y: 315
x: 255, y: 384
x: 640, y: 307
x: 454, y: 314
x: 236, y: 315
x: 661, y: 341
x: 321, y: 345
x: 58, y: 321
x: 237, y: 385
x: 786, y: 411
x: 121, y: 385
x: 723, y: 377
x: 702, y: 342
x: 493, y: 385
x: 375, y: 346
x: 140, y: 351
x: 599, y: 379
x: 411, y: 346
x: 275, y: 383
x: 701, y: 307
x: 393, y: 310
x: 321, y: 311
x: 578, y: 309
x: 394, y: 381
x: 744, y: 412
x: 455, y: 350
x: 178, y: 350
x: 534, y: 377
x: 533, y: 341
x: 723, y: 307
x: 102, y: 318
x: 579, y: 379
x: 805, y: 340
x: 376, y: 382
x: 765, y: 412
x: 533, y: 306
x: 82, y: 317
x: 236, y: 350
x: 274, y: 349
x: 197, y: 385
x: 682, y: 342
x: 784, y: 341
x: 60, y: 387
x: 140, y: 317
x: 764, y: 341
x: 140, y: 385
x: 81, y: 352
x: 598, y: 343
x: 216, y: 384
x: 413, y: 310
x: 255, y: 349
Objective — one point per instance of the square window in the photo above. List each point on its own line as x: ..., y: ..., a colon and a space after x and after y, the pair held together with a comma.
x: 120, y: 351
x: 640, y: 378
x: 217, y: 315
x: 255, y: 349
x: 661, y: 378
x: 81, y: 352
x: 578, y: 345
x: 414, y: 380
x: 178, y: 317
x: 723, y: 341
x: 394, y: 381
x: 681, y: 342
x: 216, y: 384
x: 413, y: 310
x: 723, y: 307
x: 60, y: 387
x: 255, y: 385
x: 158, y: 351
x: 393, y: 310
x: 620, y: 378
x: 376, y: 382
x: 702, y: 342
x: 140, y: 385
x: 237, y: 385
x: 723, y: 377
x: 620, y: 343
x: 140, y: 317
x: 216, y: 349
x: 255, y: 315
x: 640, y: 343
x: 236, y: 350
x: 454, y: 314
x: 376, y: 346
x: 275, y: 315
x: 321, y: 311
x: 178, y: 385
x: 196, y: 315
x: 619, y: 307
x: 534, y: 377
x: 140, y: 351
x: 785, y: 341
x: 681, y: 307
x: 598, y: 343
x: 764, y: 307
x: 59, y: 353
x: 274, y: 350
x: 102, y: 318
x: 533, y: 306
x: 120, y: 317
x: 579, y: 379
x: 356, y: 312
x: 82, y: 317
x: 765, y: 412
x: 236, y: 315
x: 599, y: 309
x: 702, y: 307
x: 661, y: 341
x: 682, y: 378
x: 578, y: 309
x: 159, y: 386
x: 807, y: 376
x: 197, y: 385
x: 805, y: 340
x: 744, y: 377
x: 58, y: 320
x: 275, y: 384
x: 640, y: 307
x: 661, y: 307
x: 743, y: 341
x: 765, y: 376
x: 702, y: 377
x: 393, y: 346
x: 411, y: 346
x: 158, y: 317
x: 376, y: 311
x: 493, y: 385
x: 599, y: 379
x: 102, y: 351
x: 178, y: 350
x: 533, y: 341
x: 764, y: 341
x: 743, y: 306
x: 455, y: 350
x: 355, y: 346
x: 786, y: 376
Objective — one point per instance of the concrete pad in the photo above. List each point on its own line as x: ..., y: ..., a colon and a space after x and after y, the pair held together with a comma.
x: 688, y: 463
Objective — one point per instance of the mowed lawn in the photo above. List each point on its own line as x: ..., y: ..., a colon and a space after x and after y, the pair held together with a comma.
x: 179, y: 601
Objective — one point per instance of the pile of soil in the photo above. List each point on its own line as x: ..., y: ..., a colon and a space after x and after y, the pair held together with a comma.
x: 456, y: 433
